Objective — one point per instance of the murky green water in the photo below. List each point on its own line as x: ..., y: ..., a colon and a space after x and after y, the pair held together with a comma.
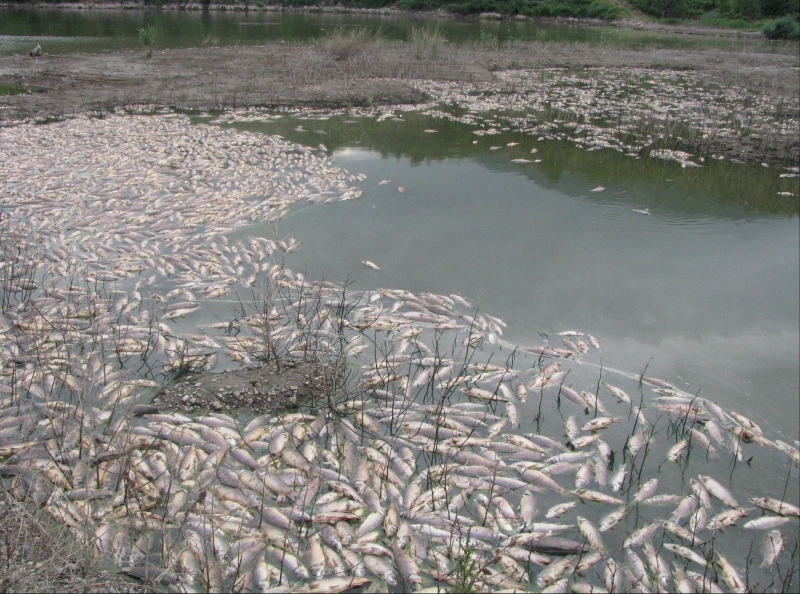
x: 65, y: 31
x: 703, y: 291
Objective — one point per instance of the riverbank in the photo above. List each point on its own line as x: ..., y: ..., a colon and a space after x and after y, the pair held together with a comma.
x: 361, y: 70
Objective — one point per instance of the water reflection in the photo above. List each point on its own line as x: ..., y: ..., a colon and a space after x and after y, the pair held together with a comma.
x: 720, y: 189
x: 118, y: 29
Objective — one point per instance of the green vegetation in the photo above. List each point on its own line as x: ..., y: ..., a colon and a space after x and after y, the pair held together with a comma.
x: 718, y: 10
x: 467, y: 569
x: 736, y: 13
x: 12, y: 90
x: 783, y: 28
x: 147, y: 35
x: 599, y: 9
x: 778, y: 19
x: 345, y: 44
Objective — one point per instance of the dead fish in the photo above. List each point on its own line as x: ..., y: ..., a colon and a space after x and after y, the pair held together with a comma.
x: 639, y: 536
x: 590, y: 532
x: 646, y: 490
x: 608, y: 521
x: 550, y: 574
x: 776, y: 505
x: 718, y: 491
x: 727, y: 518
x: 618, y: 393
x: 618, y: 479
x: 559, y: 509
x: 766, y: 523
x: 730, y: 575
x: 771, y: 546
x: 675, y: 451
x: 597, y: 496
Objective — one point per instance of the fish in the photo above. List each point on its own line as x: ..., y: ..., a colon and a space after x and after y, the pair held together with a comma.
x: 597, y: 496
x: 559, y: 509
x: 726, y: 518
x: 730, y: 575
x: 608, y: 521
x: 618, y: 479
x: 646, y: 490
x: 590, y: 533
x: 717, y: 490
x: 771, y: 548
x: 640, y: 536
x: 618, y: 393
x: 675, y: 451
x: 776, y: 505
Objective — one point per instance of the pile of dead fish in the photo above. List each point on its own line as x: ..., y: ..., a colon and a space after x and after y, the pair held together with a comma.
x: 445, y: 458
x: 125, y: 194
x: 631, y: 111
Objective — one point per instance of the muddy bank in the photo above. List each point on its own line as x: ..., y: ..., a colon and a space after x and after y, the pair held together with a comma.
x: 336, y: 74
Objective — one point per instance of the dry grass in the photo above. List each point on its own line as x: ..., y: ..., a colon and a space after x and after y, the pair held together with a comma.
x: 349, y: 67
x: 37, y: 555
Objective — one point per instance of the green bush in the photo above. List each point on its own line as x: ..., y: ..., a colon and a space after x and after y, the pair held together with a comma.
x: 418, y: 4
x: 147, y: 35
x: 605, y: 10
x: 346, y: 44
x: 367, y: 3
x: 783, y: 28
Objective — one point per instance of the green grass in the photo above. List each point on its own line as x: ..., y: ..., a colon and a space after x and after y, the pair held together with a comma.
x: 147, y: 35
x: 12, y: 90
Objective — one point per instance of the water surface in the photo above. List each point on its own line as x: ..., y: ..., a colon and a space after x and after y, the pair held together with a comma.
x: 67, y: 31
x: 704, y: 290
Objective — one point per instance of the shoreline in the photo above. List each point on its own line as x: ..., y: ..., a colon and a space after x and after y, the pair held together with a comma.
x: 759, y: 123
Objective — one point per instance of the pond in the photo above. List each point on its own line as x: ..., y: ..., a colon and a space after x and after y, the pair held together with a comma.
x: 690, y: 272
x: 66, y: 31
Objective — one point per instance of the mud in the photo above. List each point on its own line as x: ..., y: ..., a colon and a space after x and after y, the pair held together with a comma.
x: 259, y: 389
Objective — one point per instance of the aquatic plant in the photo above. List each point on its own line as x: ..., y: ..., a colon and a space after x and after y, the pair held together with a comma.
x: 147, y: 35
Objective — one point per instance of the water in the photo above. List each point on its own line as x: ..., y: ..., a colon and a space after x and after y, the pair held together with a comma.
x: 67, y: 31
x: 531, y: 242
x: 703, y: 291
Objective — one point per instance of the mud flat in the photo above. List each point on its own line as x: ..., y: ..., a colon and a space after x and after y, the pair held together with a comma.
x: 759, y: 84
